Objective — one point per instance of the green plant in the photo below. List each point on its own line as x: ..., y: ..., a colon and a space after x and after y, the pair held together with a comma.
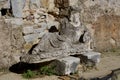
x: 29, y: 74
x: 47, y: 70
x: 113, y: 50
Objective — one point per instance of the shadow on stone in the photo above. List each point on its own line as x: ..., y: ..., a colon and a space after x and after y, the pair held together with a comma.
x: 21, y: 67
x: 30, y: 51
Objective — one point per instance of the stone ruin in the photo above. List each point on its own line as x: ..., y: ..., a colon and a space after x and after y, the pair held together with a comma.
x: 70, y: 37
x: 51, y: 27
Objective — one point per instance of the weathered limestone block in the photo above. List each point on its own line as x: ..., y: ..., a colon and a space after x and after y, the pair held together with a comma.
x: 6, y: 57
x: 51, y: 5
x: 35, y: 4
x: 43, y: 25
x: 17, y: 21
x: 75, y: 19
x: 17, y: 39
x: 73, y: 2
x: 39, y: 30
x: 41, y: 34
x: 30, y: 38
x: 66, y: 65
x: 28, y: 30
x: 14, y: 21
x: 6, y: 4
x: 17, y: 7
x: 2, y: 2
x: 44, y: 3
x: 53, y: 23
x: 50, y: 18
x: 94, y: 56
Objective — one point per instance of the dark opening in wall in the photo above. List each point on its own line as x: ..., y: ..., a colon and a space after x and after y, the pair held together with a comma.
x: 3, y: 12
x: 6, y: 12
x: 106, y: 11
x: 53, y: 29
x: 81, y: 38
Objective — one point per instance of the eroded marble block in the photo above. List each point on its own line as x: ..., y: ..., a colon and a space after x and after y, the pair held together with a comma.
x: 94, y: 56
x: 66, y: 65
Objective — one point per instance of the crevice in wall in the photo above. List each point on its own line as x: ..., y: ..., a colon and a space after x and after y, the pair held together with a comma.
x: 7, y: 12
x: 53, y: 29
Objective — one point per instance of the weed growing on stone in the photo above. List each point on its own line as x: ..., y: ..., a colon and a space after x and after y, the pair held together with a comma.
x: 29, y: 74
x: 47, y: 70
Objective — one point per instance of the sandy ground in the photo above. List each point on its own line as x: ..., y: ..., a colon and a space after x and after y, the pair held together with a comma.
x: 107, y: 64
x: 105, y: 67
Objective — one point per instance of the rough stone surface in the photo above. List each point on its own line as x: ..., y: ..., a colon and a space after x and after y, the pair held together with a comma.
x: 102, y: 15
x: 7, y: 4
x: 73, y: 3
x: 107, y: 32
x: 53, y: 23
x: 17, y: 7
x: 6, y: 55
x: 15, y: 21
x: 30, y: 37
x: 38, y: 58
x: 39, y: 30
x: 34, y: 4
x: 65, y: 42
x: 94, y: 56
x: 88, y: 24
x: 28, y: 30
x: 16, y: 39
x: 66, y: 65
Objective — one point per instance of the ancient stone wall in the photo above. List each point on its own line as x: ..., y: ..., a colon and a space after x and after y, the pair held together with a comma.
x: 31, y: 19
x: 102, y: 18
